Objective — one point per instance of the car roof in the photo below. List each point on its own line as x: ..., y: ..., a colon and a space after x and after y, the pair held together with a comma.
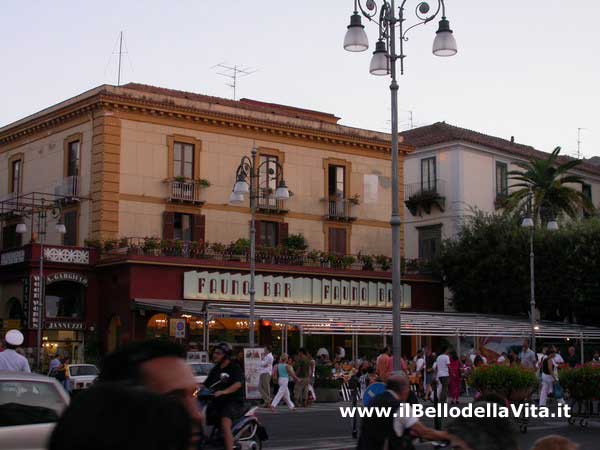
x: 22, y: 376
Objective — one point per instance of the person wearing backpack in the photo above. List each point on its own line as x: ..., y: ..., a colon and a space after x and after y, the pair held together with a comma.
x: 282, y: 373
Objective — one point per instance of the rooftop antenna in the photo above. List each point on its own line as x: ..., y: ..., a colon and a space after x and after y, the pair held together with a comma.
x: 579, y: 155
x: 120, y: 56
x: 233, y: 73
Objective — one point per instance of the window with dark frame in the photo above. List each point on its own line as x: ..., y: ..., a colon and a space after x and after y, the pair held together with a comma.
x: 182, y: 227
x: 10, y: 237
x: 430, y: 241
x: 337, y: 241
x: 70, y: 221
x: 586, y: 191
x: 428, y: 175
x: 501, y: 179
x: 269, y: 234
x: 73, y: 157
x: 337, y: 184
x: 183, y: 160
x: 16, y: 172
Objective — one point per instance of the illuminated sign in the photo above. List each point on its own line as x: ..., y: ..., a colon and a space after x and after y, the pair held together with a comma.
x: 286, y: 289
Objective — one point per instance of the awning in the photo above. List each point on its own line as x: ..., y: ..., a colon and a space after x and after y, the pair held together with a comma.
x: 362, y: 321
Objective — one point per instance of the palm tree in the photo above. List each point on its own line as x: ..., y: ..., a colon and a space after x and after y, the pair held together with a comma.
x: 549, y: 183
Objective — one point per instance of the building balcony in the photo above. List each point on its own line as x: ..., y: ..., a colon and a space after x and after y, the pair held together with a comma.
x: 340, y: 209
x: 68, y: 188
x: 185, y: 191
x: 421, y: 197
x: 235, y: 256
x: 266, y: 203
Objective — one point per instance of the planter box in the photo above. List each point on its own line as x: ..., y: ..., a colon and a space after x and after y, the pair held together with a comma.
x: 327, y: 395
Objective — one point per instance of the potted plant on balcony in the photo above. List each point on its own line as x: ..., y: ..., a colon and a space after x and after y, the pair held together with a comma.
x: 217, y: 249
x: 93, y: 243
x: 384, y: 262
x: 203, y: 183
x: 151, y: 246
x: 180, y: 179
x: 423, y: 200
x: 367, y: 262
x: 110, y: 245
x: 355, y: 199
x: 313, y: 258
x: 238, y: 250
x: 347, y: 261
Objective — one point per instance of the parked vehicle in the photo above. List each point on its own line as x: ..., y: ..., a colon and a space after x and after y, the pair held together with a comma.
x: 30, y: 404
x: 248, y: 433
x: 81, y: 376
x: 200, y: 370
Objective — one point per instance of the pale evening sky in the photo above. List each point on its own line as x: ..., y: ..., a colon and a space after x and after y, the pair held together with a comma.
x: 528, y: 69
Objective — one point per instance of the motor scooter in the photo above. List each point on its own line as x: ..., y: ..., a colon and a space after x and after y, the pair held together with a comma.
x: 248, y: 433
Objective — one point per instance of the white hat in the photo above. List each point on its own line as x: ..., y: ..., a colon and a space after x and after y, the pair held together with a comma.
x: 14, y: 337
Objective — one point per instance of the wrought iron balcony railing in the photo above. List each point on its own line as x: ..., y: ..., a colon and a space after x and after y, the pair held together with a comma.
x: 421, y: 196
x: 187, y: 191
x: 339, y: 209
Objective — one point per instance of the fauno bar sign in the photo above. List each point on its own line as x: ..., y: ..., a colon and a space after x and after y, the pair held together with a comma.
x: 282, y: 289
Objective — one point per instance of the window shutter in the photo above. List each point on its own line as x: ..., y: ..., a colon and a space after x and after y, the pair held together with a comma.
x: 282, y: 232
x: 199, y: 230
x: 168, y: 225
x: 337, y: 241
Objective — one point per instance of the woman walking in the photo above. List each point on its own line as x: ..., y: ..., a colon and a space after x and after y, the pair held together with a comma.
x: 454, y: 382
x: 284, y: 372
x: 547, y: 377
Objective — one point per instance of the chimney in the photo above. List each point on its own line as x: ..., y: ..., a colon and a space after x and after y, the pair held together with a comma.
x: 512, y: 139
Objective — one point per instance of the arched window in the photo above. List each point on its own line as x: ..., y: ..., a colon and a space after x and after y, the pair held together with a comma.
x: 65, y: 299
x: 158, y: 326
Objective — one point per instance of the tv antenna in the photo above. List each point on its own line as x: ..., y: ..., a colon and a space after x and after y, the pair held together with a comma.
x: 234, y: 73
x: 122, y: 50
x: 579, y: 155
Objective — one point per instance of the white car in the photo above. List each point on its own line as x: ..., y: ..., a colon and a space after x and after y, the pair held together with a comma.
x: 81, y: 376
x: 30, y: 404
x: 200, y: 370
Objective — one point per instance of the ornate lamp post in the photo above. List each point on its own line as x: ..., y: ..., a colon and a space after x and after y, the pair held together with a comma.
x: 247, y: 183
x: 42, y: 225
x: 383, y: 62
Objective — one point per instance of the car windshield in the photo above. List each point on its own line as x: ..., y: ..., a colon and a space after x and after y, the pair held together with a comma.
x: 26, y: 402
x: 76, y: 371
x: 201, y: 368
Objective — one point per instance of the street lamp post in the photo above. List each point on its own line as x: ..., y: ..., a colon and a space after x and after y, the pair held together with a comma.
x: 529, y: 222
x: 383, y: 62
x: 247, y: 182
x: 42, y: 216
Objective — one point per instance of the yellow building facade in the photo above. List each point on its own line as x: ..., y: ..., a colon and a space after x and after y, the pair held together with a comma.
x: 153, y: 162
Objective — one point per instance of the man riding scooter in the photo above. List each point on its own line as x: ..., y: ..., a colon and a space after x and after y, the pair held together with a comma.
x: 228, y: 404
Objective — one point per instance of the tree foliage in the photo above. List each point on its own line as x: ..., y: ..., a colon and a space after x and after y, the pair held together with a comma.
x: 551, y: 184
x: 487, y: 268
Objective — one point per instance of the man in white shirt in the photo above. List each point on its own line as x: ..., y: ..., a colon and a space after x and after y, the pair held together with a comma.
x: 266, y: 370
x: 442, y: 362
x: 10, y: 360
x: 527, y: 356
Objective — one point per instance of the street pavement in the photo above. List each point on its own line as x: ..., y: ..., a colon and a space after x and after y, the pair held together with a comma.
x: 322, y: 427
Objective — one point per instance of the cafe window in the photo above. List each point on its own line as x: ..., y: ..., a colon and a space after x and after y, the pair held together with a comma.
x: 65, y: 300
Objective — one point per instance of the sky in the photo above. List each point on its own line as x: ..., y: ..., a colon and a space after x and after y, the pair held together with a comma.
x: 524, y: 69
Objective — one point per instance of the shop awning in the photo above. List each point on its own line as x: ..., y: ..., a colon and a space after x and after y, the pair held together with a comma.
x: 361, y: 321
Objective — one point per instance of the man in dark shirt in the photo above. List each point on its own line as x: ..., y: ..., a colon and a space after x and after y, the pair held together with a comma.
x: 227, y: 378
x: 302, y: 369
x: 391, y: 433
x: 571, y: 358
